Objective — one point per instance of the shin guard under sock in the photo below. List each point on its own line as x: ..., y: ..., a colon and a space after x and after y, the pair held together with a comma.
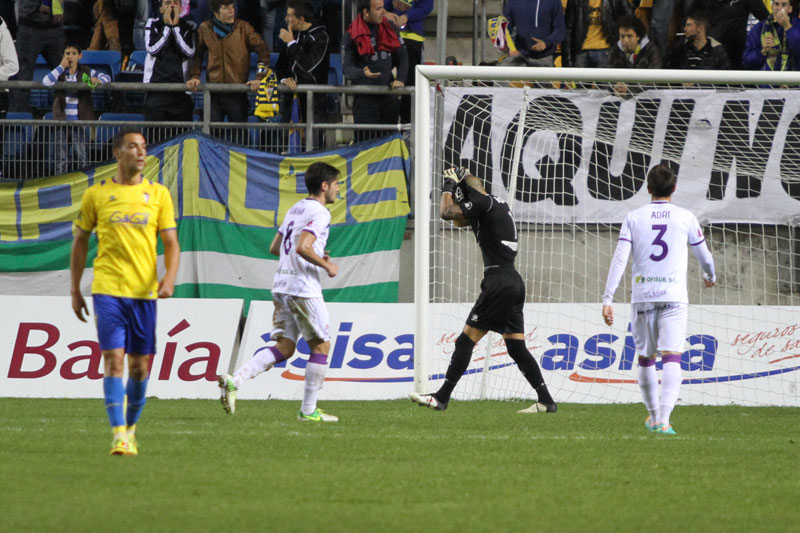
x: 458, y: 365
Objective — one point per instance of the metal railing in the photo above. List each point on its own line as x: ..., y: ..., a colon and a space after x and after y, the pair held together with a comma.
x: 38, y: 147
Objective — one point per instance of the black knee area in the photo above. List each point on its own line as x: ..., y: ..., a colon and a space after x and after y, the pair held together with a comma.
x: 463, y: 342
x: 517, y: 350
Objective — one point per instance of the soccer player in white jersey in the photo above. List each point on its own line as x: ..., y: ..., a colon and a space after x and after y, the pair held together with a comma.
x: 297, y: 295
x: 658, y: 234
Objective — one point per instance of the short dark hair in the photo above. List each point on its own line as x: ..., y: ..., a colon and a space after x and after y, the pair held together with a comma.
x: 72, y: 44
x: 319, y: 173
x: 632, y: 22
x: 362, y: 5
x: 119, y: 138
x: 216, y: 4
x: 700, y: 18
x: 661, y: 180
x: 302, y: 9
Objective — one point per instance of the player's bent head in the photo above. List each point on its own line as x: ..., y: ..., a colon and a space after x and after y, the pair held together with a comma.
x: 319, y: 173
x: 119, y: 139
x: 475, y: 183
x: 661, y: 181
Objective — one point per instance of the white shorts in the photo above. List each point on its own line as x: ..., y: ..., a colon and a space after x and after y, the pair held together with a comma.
x: 659, y: 327
x: 295, y: 316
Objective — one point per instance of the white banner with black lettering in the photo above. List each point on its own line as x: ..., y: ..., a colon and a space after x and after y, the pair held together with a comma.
x: 586, y: 153
x: 46, y: 352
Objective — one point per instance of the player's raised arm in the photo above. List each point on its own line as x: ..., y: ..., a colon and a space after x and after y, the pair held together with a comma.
x: 448, y: 208
x: 77, y: 264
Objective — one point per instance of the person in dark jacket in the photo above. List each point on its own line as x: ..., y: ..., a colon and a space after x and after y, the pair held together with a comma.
x: 305, y: 60
x: 371, y: 49
x: 591, y: 30
x: 170, y: 42
x: 540, y: 28
x: 634, y: 49
x: 696, y: 50
x: 728, y: 23
x: 39, y: 31
x: 774, y: 44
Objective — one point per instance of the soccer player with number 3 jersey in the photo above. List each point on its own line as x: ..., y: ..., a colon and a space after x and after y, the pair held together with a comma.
x: 129, y: 213
x: 297, y: 295
x: 658, y: 234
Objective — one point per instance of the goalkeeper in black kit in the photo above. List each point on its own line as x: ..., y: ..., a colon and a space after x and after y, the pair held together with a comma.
x: 499, y: 306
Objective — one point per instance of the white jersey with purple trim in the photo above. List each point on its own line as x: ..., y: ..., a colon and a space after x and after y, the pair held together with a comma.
x: 295, y: 275
x: 659, y: 233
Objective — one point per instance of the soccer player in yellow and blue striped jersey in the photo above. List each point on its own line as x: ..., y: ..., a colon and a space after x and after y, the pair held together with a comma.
x: 128, y: 212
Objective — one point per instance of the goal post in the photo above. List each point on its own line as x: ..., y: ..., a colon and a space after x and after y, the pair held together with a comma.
x: 569, y: 150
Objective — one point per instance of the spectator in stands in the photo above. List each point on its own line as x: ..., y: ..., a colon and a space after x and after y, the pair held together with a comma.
x: 228, y: 42
x: 634, y: 48
x: 371, y: 49
x: 409, y: 16
x: 116, y: 22
x: 72, y: 105
x: 9, y: 64
x: 106, y: 27
x: 728, y: 23
x: 661, y: 15
x: 268, y: 9
x: 78, y: 24
x: 8, y: 14
x: 170, y: 42
x: 40, y: 31
x: 540, y: 29
x: 305, y: 60
x: 696, y: 50
x: 591, y: 28
x: 774, y: 44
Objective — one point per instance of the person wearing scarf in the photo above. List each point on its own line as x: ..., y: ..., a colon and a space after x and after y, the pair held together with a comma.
x: 228, y: 41
x: 774, y: 44
x: 634, y: 49
x: 372, y: 48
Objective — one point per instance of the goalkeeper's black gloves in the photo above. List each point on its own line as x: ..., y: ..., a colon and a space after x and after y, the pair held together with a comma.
x: 452, y: 177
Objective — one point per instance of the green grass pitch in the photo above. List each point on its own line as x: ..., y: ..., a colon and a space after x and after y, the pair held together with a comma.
x: 393, y: 466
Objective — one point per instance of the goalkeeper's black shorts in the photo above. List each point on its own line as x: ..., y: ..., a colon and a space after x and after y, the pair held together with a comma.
x: 499, y: 306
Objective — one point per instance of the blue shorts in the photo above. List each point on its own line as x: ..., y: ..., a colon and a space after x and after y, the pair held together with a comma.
x: 127, y: 323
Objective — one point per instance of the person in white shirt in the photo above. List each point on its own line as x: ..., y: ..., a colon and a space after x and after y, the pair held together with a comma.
x: 658, y: 235
x: 297, y: 295
x: 9, y: 64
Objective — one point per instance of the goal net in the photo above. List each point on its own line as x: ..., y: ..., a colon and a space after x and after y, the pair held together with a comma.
x: 569, y: 150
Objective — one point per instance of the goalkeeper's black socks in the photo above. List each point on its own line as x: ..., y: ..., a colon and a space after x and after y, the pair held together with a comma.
x: 529, y: 368
x: 458, y: 365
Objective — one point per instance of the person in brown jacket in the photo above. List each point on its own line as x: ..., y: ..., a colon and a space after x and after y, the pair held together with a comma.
x: 228, y: 42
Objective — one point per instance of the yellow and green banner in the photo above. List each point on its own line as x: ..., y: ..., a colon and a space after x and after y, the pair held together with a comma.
x: 229, y: 202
